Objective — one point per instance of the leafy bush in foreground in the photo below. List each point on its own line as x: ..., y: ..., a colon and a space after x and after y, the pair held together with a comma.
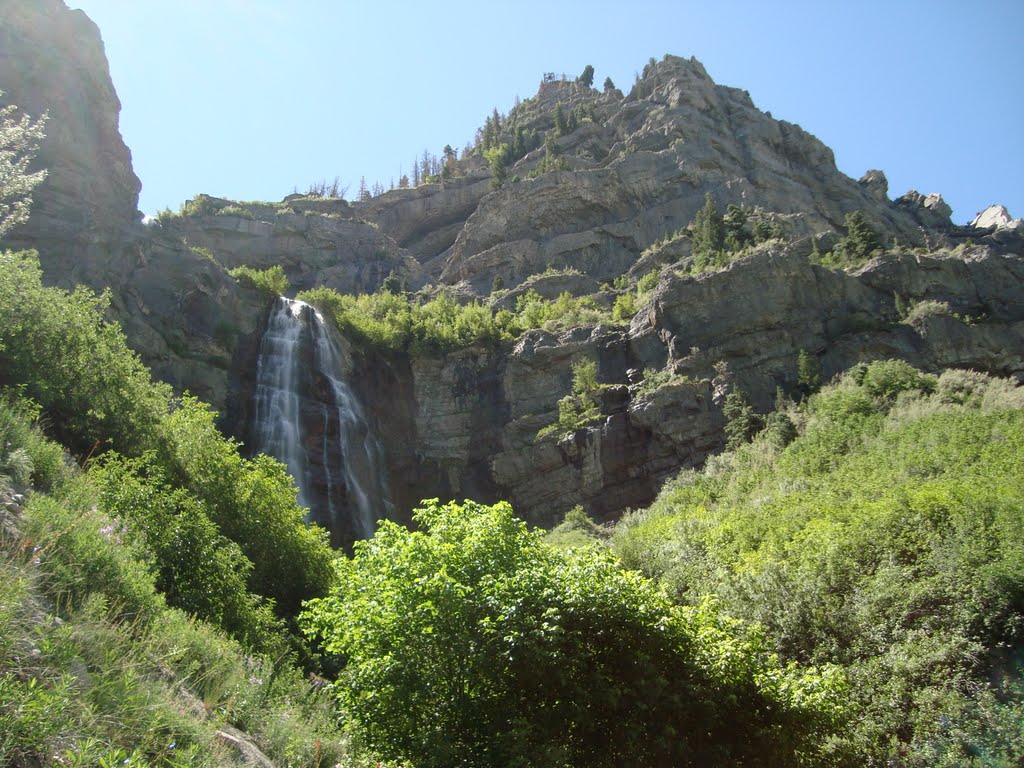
x: 473, y: 642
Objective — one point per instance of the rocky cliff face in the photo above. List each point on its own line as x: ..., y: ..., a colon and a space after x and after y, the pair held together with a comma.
x: 633, y: 168
x: 190, y: 321
x: 52, y: 61
x: 469, y: 419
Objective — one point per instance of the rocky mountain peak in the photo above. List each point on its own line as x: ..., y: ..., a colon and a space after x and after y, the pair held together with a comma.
x: 997, y: 217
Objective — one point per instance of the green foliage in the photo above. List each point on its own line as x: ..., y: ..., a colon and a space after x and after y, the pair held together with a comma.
x: 115, y: 677
x: 58, y: 346
x: 401, y: 323
x: 19, y: 142
x: 608, y: 85
x: 655, y: 379
x: 587, y: 78
x: 469, y: 641
x: 922, y: 310
x: 576, y: 530
x: 200, y: 205
x: 395, y: 322
x: 81, y: 553
x: 93, y: 392
x: 808, y: 374
x: 26, y: 456
x: 859, y: 245
x: 742, y: 422
x: 561, y: 126
x: 629, y: 303
x: 236, y: 210
x: 497, y: 158
x: 251, y: 501
x: 270, y: 281
x: 579, y: 408
x: 888, y: 378
x: 391, y: 283
x: 625, y: 307
x: 885, y: 538
x: 648, y: 282
x: 197, y: 568
x: 552, y: 160
x: 708, y: 234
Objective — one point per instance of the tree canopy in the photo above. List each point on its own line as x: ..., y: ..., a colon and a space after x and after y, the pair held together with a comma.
x: 471, y: 641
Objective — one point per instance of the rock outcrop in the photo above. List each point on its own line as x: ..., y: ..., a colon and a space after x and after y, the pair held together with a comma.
x: 469, y: 420
x: 318, y: 242
x: 998, y: 218
x: 52, y: 61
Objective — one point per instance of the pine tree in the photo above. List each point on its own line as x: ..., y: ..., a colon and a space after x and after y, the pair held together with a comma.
x: 489, y: 134
x: 497, y: 158
x: 808, y: 374
x: 735, y: 221
x: 708, y: 233
x: 587, y: 78
x: 742, y: 422
x: 609, y: 86
x: 560, y: 124
x: 861, y: 239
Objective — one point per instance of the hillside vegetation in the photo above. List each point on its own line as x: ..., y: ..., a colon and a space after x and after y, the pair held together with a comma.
x: 846, y: 589
x: 844, y: 586
x: 147, y: 596
x: 887, y: 539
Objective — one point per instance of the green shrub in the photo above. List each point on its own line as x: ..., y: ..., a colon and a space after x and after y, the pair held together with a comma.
x: 482, y: 645
x: 197, y: 568
x: 648, y: 282
x: 578, y: 409
x: 26, y: 456
x: 625, y: 307
x: 59, y: 348
x: 860, y: 243
x: 251, y: 501
x: 271, y: 281
x: 922, y: 310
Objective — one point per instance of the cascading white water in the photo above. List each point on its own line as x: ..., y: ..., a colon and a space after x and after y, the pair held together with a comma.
x: 308, y: 417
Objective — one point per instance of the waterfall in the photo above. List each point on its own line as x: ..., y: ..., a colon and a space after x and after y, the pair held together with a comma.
x: 308, y: 417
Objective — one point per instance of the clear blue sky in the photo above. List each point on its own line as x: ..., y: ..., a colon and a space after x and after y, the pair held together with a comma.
x: 249, y: 98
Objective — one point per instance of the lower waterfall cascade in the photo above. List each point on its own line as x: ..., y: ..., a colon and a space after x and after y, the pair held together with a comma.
x: 308, y: 417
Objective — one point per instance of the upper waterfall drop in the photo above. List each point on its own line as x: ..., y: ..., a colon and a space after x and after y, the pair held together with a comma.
x: 309, y: 418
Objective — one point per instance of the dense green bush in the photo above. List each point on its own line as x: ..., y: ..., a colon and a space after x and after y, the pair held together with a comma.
x: 885, y: 538
x: 197, y: 568
x: 472, y: 642
x: 253, y: 502
x: 59, y: 348
x: 270, y: 281
x: 95, y: 394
